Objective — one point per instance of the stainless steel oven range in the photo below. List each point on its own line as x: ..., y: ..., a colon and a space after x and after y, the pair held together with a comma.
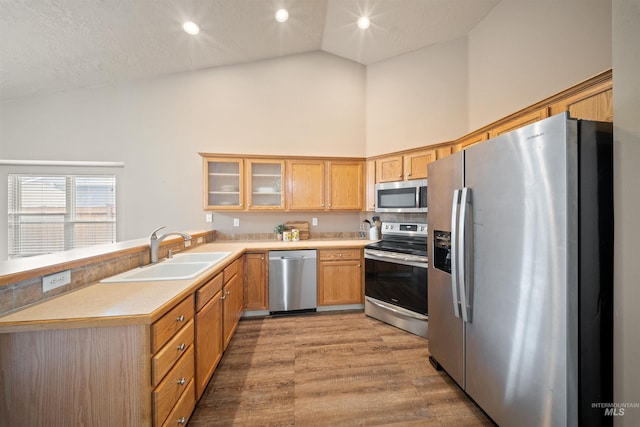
x: 396, y: 277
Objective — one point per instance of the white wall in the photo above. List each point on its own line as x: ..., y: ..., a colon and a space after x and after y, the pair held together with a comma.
x: 308, y: 104
x: 417, y: 99
x: 626, y: 108
x: 525, y: 51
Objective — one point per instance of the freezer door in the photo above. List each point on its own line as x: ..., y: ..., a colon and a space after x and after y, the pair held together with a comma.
x: 524, y: 187
x: 446, y: 342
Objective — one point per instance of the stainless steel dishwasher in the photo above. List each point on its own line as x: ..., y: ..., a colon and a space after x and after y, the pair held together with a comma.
x: 292, y: 281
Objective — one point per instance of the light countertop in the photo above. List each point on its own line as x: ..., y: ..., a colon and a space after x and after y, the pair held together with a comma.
x: 117, y: 304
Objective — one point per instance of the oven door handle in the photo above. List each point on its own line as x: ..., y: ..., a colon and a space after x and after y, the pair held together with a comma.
x: 395, y: 260
x: 401, y: 313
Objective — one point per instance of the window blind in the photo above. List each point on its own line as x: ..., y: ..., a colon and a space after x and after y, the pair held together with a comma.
x: 59, y: 212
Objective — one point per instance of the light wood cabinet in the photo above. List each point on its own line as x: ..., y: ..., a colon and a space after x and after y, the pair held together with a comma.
x: 305, y: 184
x: 346, y: 184
x: 389, y: 169
x: 469, y: 140
x: 235, y: 183
x: 172, y: 362
x: 519, y: 122
x: 232, y: 299
x: 223, y: 183
x: 208, y: 351
x: 265, y: 184
x: 405, y: 167
x: 340, y: 277
x: 325, y: 185
x: 256, y: 282
x: 371, y: 185
x: 415, y: 164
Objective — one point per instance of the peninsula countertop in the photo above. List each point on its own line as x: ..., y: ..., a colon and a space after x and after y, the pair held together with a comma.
x: 118, y: 304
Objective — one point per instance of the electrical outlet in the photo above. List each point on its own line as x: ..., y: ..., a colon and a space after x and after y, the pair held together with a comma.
x: 200, y: 240
x: 314, y: 221
x: 236, y: 222
x: 55, y: 280
x: 208, y: 217
x: 187, y: 243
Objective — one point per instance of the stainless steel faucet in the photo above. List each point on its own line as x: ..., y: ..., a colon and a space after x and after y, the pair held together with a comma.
x: 154, y: 241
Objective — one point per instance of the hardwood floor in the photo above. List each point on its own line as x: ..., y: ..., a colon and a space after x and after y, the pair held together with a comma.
x: 342, y: 369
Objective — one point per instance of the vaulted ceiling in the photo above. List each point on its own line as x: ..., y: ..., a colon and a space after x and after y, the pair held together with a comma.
x: 54, y: 45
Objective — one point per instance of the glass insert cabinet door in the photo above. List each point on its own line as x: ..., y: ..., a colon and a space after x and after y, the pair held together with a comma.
x: 224, y: 183
x: 265, y: 184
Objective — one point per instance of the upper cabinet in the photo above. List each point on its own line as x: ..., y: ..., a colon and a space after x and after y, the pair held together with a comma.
x: 415, y: 164
x: 265, y: 184
x: 519, y: 121
x: 345, y: 185
x: 325, y: 185
x: 412, y: 165
x: 223, y: 183
x: 268, y: 183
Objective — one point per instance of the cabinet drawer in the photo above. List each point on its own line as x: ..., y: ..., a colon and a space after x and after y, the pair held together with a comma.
x: 162, y: 361
x: 170, y: 323
x: 183, y: 409
x: 206, y: 292
x: 337, y: 254
x: 231, y: 270
x: 172, y: 387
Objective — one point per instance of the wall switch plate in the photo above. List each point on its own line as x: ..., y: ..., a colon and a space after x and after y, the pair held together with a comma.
x: 314, y: 221
x: 208, y: 217
x: 236, y: 222
x: 55, y: 280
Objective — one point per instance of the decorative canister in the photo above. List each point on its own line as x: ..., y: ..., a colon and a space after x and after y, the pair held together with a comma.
x: 286, y: 236
x: 295, y: 235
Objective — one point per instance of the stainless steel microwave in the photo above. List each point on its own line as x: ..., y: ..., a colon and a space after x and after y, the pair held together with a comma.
x: 402, y: 196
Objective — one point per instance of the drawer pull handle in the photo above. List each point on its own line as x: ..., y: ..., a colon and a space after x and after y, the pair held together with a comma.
x: 181, y: 347
x: 182, y: 380
x: 180, y: 319
x: 182, y: 420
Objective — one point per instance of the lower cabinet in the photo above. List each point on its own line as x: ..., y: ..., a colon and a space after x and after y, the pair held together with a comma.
x: 232, y: 299
x: 256, y: 285
x: 340, y: 276
x: 208, y: 332
x: 172, y: 369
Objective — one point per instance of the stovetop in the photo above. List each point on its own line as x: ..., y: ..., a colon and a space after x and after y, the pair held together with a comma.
x: 405, y: 238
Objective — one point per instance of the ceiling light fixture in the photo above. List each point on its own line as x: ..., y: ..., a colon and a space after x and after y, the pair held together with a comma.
x: 282, y: 15
x: 364, y: 22
x: 191, y: 28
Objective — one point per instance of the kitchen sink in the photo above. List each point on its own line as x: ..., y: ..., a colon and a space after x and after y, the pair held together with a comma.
x: 210, y: 257
x: 180, y: 267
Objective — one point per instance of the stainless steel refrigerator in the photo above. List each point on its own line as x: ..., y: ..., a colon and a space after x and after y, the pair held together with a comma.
x: 521, y: 271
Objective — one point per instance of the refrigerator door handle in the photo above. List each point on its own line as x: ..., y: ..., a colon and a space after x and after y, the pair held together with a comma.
x: 454, y: 252
x: 462, y: 251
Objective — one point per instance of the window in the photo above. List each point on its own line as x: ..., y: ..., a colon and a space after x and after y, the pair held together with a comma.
x: 59, y: 212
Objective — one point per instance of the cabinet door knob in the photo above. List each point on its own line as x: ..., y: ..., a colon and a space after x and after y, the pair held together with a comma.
x: 340, y: 254
x: 182, y: 420
x: 182, y: 380
x: 181, y: 347
x: 408, y: 174
x: 223, y: 296
x: 180, y: 319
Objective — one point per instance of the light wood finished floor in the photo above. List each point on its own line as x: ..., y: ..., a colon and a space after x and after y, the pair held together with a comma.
x: 341, y: 369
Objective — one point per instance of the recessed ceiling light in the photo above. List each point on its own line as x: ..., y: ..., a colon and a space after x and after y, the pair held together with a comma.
x: 364, y: 22
x: 282, y: 15
x: 191, y: 28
